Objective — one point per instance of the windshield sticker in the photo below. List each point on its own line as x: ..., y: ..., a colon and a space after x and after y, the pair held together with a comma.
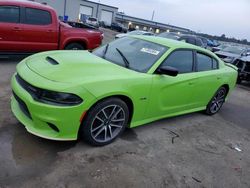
x: 150, y: 51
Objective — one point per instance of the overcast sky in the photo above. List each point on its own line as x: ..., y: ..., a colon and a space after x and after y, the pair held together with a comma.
x: 231, y: 17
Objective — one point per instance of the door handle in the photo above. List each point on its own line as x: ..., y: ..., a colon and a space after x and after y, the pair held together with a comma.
x: 190, y: 83
x: 218, y: 78
x: 50, y: 30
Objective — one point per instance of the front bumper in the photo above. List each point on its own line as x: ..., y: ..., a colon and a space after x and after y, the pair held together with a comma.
x: 41, y: 119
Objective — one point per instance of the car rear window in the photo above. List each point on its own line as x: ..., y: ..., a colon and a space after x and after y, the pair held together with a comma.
x: 9, y: 14
x: 93, y: 19
x: 37, y: 17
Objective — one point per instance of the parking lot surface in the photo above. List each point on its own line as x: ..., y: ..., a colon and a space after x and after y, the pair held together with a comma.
x: 192, y: 150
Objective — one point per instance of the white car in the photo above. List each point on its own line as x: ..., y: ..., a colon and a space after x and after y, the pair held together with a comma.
x: 92, y: 21
x: 135, y: 32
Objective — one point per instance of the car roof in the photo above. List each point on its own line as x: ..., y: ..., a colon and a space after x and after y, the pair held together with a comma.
x: 172, y: 43
x: 25, y: 3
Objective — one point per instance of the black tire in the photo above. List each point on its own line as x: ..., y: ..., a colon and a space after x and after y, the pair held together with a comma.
x: 105, y: 122
x: 239, y: 80
x: 74, y: 46
x: 217, y: 101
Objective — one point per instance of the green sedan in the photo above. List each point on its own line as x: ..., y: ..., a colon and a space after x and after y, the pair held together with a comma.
x: 64, y: 95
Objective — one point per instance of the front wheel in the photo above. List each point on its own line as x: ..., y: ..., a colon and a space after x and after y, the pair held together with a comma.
x: 105, y: 122
x: 217, y: 101
x: 74, y: 46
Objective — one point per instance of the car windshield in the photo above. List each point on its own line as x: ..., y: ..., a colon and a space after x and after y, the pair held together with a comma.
x: 140, y: 54
x: 169, y: 35
x: 234, y: 50
x: 135, y: 32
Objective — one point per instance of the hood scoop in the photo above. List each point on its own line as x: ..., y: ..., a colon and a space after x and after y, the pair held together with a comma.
x: 51, y: 60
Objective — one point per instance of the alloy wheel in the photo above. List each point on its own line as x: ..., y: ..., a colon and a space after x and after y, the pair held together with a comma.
x: 218, y: 101
x: 107, y: 123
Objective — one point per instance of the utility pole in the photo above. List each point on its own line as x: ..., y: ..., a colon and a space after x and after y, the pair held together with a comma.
x: 64, y: 11
x: 153, y: 15
x: 97, y: 9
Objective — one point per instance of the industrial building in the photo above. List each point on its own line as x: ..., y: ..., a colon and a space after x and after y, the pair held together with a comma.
x: 77, y: 10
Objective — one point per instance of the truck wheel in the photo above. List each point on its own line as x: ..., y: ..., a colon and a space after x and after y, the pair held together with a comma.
x: 74, y: 46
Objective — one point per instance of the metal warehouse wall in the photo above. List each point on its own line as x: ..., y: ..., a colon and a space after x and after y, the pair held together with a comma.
x: 73, y: 8
x: 58, y: 5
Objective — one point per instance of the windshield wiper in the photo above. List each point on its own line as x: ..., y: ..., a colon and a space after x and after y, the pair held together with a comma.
x: 125, y: 60
x: 105, y: 51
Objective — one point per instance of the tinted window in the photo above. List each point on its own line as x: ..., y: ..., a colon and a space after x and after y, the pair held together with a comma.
x: 199, y: 42
x: 215, y: 64
x: 9, y: 14
x: 181, y: 60
x: 37, y: 17
x: 191, y: 40
x: 204, y: 62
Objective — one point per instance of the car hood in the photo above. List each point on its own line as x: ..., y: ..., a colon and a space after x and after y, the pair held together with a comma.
x: 227, y: 54
x: 75, y: 67
x: 121, y: 35
x: 245, y: 58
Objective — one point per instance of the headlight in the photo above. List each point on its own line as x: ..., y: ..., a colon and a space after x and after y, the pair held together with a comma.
x: 58, y: 98
x: 49, y: 97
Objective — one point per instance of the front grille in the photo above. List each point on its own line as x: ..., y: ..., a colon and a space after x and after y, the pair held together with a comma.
x: 32, y: 90
x: 22, y: 106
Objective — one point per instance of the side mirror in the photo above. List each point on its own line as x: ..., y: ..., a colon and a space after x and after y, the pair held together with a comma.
x: 167, y: 70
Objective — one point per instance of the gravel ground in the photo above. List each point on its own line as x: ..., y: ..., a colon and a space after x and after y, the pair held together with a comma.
x: 193, y: 150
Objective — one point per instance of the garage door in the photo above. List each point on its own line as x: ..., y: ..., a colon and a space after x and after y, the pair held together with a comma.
x: 86, y: 10
x: 106, y: 16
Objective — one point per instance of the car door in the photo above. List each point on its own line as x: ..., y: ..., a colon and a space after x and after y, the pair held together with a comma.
x: 209, y: 79
x: 170, y: 95
x: 10, y: 28
x: 39, y: 30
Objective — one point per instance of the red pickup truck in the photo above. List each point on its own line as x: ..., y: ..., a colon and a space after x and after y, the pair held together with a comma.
x: 27, y: 26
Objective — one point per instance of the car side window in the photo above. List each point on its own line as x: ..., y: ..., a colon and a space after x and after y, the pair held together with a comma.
x: 199, y: 42
x: 37, y: 17
x: 215, y: 64
x: 182, y: 60
x: 191, y: 40
x: 205, y: 62
x: 9, y: 14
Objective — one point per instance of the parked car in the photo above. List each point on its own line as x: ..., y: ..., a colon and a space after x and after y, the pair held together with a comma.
x: 129, y: 82
x: 191, y: 39
x: 243, y: 64
x: 169, y: 35
x: 29, y: 27
x: 135, y: 32
x: 104, y: 24
x: 92, y: 21
x: 220, y: 47
x: 230, y: 53
x: 118, y: 27
x: 84, y: 26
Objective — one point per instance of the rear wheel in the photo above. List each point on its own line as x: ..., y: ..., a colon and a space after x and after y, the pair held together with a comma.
x: 74, y: 46
x: 217, y: 101
x: 239, y: 80
x: 105, y: 122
